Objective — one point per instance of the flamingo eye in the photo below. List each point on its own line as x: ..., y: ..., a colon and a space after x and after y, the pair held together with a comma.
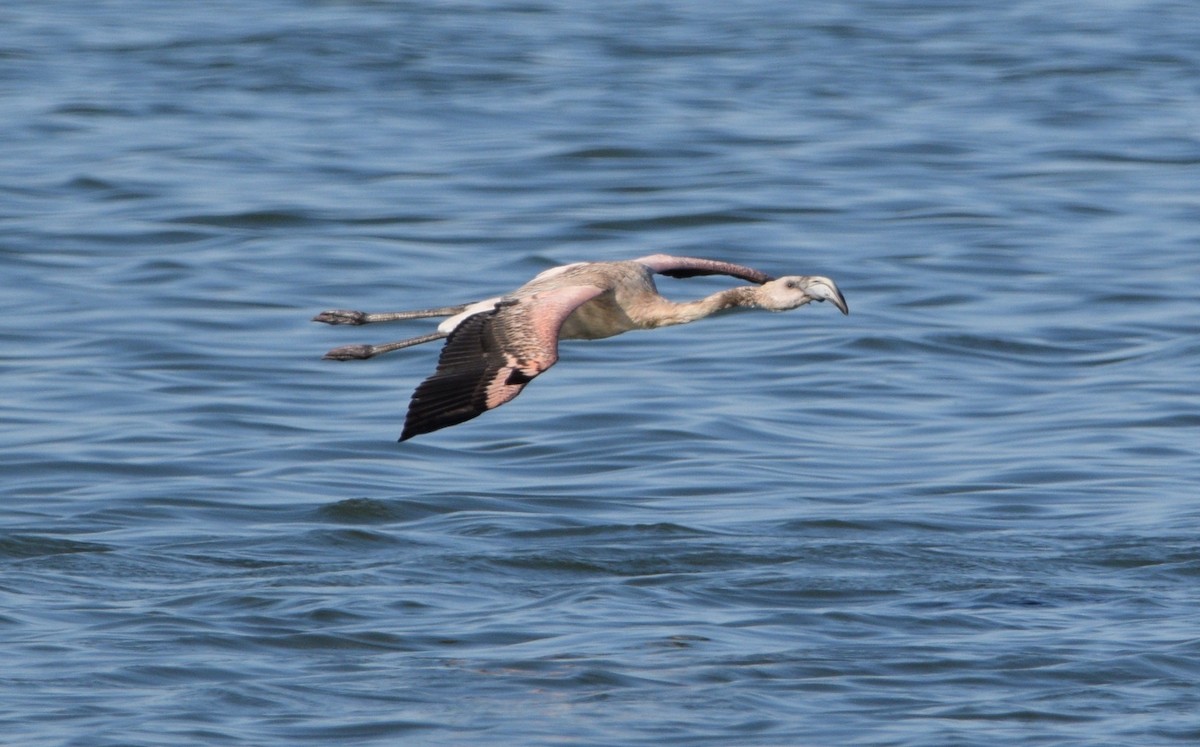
x: 792, y: 284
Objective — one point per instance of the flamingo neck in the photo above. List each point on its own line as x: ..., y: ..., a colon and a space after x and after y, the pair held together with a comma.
x: 666, y: 313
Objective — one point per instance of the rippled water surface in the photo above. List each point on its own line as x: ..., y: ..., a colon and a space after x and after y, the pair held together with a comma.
x: 965, y: 514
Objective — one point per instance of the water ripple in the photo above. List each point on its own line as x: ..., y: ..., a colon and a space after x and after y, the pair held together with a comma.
x: 963, y: 514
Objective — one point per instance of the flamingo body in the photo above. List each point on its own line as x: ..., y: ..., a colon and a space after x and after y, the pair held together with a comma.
x: 494, y: 348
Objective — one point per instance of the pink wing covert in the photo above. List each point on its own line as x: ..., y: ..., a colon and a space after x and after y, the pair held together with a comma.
x: 686, y: 267
x: 490, y: 357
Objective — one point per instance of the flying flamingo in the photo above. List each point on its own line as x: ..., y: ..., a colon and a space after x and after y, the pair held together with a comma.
x: 499, y: 345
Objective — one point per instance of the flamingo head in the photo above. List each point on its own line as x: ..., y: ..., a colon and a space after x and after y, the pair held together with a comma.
x: 793, y: 291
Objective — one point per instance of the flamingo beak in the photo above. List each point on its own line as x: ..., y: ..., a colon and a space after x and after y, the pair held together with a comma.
x: 824, y: 289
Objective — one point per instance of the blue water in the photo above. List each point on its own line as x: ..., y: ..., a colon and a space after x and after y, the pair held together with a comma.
x: 967, y: 514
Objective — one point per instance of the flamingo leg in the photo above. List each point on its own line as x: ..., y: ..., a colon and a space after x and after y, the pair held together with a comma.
x: 362, y: 352
x: 345, y: 316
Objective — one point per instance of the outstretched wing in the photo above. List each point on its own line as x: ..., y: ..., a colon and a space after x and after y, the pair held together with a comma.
x: 686, y: 267
x: 491, y: 356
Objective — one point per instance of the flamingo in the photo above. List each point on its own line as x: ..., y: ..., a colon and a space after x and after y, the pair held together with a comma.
x: 496, y: 346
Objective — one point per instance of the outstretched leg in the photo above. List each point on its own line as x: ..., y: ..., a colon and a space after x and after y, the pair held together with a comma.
x: 362, y: 352
x: 343, y: 316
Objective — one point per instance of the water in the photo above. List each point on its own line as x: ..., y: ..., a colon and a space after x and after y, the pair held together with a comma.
x: 965, y: 514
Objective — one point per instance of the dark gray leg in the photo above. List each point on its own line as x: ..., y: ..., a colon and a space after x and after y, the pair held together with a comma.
x: 362, y: 352
x: 344, y: 316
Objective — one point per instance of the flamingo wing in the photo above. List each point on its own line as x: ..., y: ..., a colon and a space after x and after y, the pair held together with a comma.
x: 490, y: 357
x: 686, y: 267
